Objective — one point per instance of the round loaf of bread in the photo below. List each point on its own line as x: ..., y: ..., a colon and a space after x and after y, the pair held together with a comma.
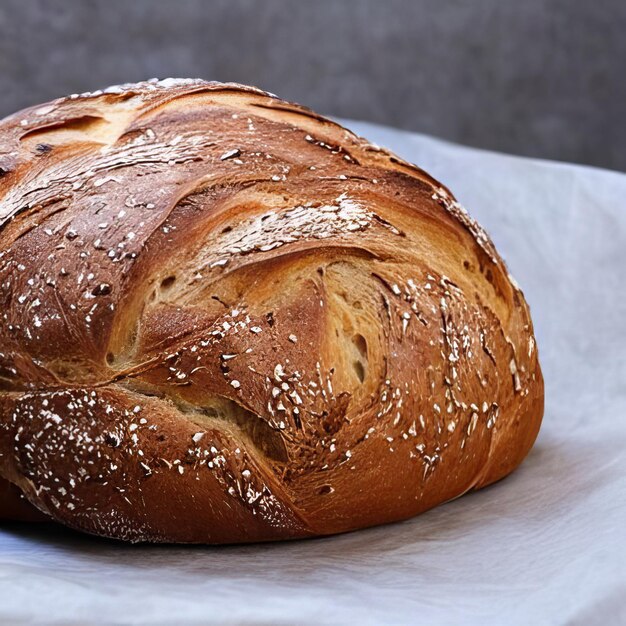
x: 225, y: 318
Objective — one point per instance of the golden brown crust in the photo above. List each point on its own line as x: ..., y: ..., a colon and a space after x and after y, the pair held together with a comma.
x: 226, y: 318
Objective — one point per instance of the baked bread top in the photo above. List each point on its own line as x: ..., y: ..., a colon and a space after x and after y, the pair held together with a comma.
x: 226, y: 318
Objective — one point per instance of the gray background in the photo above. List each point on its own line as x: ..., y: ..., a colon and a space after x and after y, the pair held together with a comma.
x: 542, y: 78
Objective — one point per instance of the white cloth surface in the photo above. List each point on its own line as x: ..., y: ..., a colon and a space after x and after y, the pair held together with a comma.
x: 545, y: 546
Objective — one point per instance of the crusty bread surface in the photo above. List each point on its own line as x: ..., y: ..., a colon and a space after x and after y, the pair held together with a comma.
x: 224, y: 318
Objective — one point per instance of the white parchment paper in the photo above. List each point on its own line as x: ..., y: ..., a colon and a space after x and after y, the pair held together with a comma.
x: 545, y: 546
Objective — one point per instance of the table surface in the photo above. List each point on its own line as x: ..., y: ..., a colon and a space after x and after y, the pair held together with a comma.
x: 545, y: 546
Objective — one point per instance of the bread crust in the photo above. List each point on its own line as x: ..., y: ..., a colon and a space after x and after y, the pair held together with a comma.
x: 225, y: 318
x: 14, y: 506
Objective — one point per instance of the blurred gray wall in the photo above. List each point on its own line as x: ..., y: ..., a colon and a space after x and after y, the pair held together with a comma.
x: 540, y: 77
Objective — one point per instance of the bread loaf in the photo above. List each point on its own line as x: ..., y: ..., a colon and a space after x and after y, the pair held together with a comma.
x: 225, y: 318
